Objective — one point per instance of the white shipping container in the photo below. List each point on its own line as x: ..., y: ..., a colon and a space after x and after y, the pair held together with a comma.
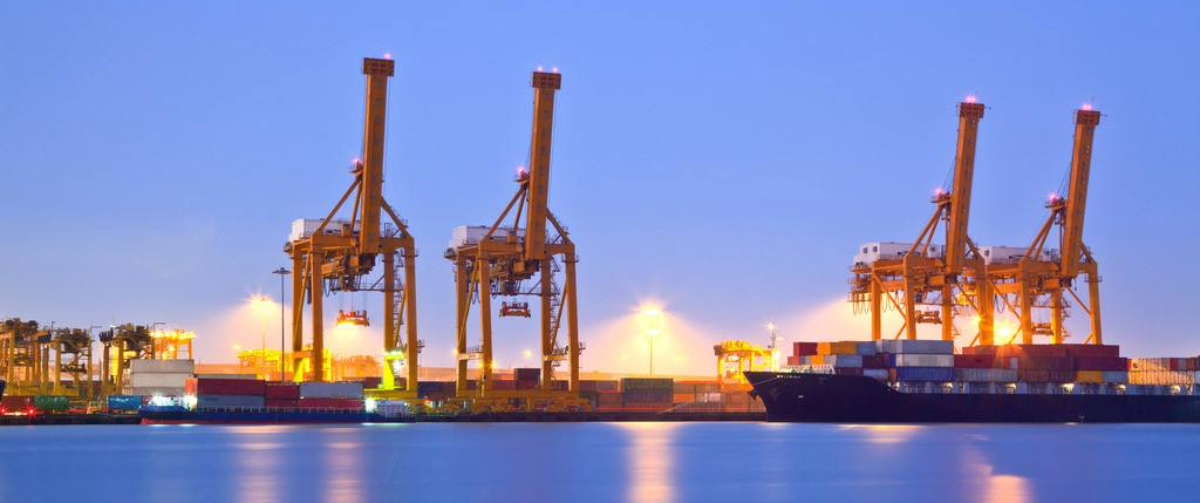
x: 162, y: 367
x: 926, y: 347
x: 869, y: 253
x: 867, y: 348
x: 473, y: 234
x: 918, y: 360
x: 155, y: 390
x: 306, y: 227
x: 331, y: 390
x: 159, y: 380
x: 1012, y: 254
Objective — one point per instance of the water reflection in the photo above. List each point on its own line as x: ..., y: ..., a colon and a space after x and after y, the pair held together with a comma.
x: 343, y: 467
x: 996, y: 487
x: 258, y: 464
x: 884, y: 434
x: 651, y: 460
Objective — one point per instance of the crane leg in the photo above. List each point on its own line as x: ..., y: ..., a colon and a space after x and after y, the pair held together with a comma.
x: 1026, y: 304
x: 1093, y: 281
x: 572, y: 322
x: 910, y: 310
x: 876, y: 311
x: 948, y: 312
x: 462, y: 289
x: 297, y: 309
x: 410, y: 311
x: 318, y: 336
x: 1056, y: 316
x: 987, y: 312
x: 485, y: 325
x: 547, y: 314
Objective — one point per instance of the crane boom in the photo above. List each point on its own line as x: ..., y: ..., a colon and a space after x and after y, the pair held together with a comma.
x: 969, y: 114
x: 1076, y: 204
x: 545, y: 84
x: 377, y: 71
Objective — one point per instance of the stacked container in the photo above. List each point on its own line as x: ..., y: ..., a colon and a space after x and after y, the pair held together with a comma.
x: 1162, y: 371
x: 918, y: 360
x: 647, y: 394
x: 331, y: 395
x: 282, y: 395
x: 227, y: 393
x: 527, y: 378
x: 160, y: 377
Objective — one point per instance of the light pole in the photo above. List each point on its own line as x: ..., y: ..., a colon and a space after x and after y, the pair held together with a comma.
x: 651, y: 318
x: 282, y: 272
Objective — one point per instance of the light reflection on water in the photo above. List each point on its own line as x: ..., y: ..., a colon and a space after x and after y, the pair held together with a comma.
x: 583, y: 463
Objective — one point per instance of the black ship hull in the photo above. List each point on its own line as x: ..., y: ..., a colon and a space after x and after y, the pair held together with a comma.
x: 790, y: 397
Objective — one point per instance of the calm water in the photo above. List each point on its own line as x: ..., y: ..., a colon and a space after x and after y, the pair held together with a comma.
x: 637, y: 462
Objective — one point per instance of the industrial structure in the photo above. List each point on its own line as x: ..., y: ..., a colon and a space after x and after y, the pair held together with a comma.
x: 517, y: 259
x: 338, y: 255
x: 734, y: 358
x: 950, y: 277
x: 122, y: 344
x: 933, y: 283
x: 1038, y: 278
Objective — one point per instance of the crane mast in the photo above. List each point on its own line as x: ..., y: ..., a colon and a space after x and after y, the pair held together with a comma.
x: 339, y: 255
x: 521, y: 258
x: 905, y: 276
x: 1076, y: 203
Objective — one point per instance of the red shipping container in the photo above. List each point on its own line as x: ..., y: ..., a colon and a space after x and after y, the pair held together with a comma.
x: 979, y: 361
x: 374, y: 382
x: 17, y: 403
x: 791, y: 360
x: 230, y: 387
x: 1101, y: 363
x: 1045, y: 363
x: 286, y: 391
x: 283, y: 403
x: 331, y: 403
x: 980, y: 350
x: 804, y: 348
x: 1092, y: 350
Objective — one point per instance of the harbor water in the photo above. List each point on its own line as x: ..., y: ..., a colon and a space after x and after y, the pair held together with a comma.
x: 600, y: 462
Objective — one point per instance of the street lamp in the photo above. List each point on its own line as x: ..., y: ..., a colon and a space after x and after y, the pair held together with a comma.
x: 652, y: 319
x: 282, y: 272
x: 652, y: 334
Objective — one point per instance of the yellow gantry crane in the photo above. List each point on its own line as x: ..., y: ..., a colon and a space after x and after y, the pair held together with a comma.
x: 735, y: 357
x: 1038, y: 280
x: 923, y: 273
x: 338, y: 255
x: 500, y: 261
x: 121, y: 344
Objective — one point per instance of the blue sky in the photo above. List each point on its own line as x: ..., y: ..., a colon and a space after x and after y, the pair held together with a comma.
x: 722, y: 159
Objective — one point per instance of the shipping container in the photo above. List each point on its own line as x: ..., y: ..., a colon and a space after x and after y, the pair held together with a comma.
x: 921, y: 360
x: 974, y: 361
x: 876, y: 373
x: 804, y: 348
x: 1161, y: 377
x: 376, y: 382
x: 353, y: 390
x: 17, y: 403
x: 902, y: 346
x: 1101, y: 363
x: 865, y: 348
x: 1092, y: 350
x: 124, y: 402
x: 51, y: 403
x: 159, y: 380
x: 527, y: 374
x: 527, y: 385
x: 647, y: 396
x: 1089, y: 376
x: 1115, y: 376
x: 1045, y: 363
x: 157, y: 391
x: 282, y: 391
x: 940, y: 374
x: 973, y: 374
x: 1044, y: 375
x: 282, y: 403
x: 876, y: 361
x: 206, y: 386
x: 647, y: 383
x: 331, y: 403
x: 141, y: 366
x: 226, y: 376
x: 844, y: 361
x: 229, y: 401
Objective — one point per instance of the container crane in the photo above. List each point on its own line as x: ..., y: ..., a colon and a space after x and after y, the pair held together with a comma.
x: 1040, y: 276
x: 922, y: 273
x: 333, y: 255
x: 499, y: 261
x: 120, y: 345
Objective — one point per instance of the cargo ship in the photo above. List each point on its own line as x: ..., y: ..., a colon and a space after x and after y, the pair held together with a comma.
x: 180, y: 415
x: 919, y: 382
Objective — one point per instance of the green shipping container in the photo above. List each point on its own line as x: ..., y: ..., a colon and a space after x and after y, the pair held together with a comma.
x: 49, y: 403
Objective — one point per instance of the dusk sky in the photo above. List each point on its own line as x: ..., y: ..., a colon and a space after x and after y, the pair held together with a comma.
x: 721, y: 159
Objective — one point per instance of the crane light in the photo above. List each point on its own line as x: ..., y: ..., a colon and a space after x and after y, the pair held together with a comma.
x: 971, y: 98
x: 1087, y: 107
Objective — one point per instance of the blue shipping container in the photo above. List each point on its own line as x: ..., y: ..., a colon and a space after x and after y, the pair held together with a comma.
x: 941, y: 374
x: 124, y: 402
